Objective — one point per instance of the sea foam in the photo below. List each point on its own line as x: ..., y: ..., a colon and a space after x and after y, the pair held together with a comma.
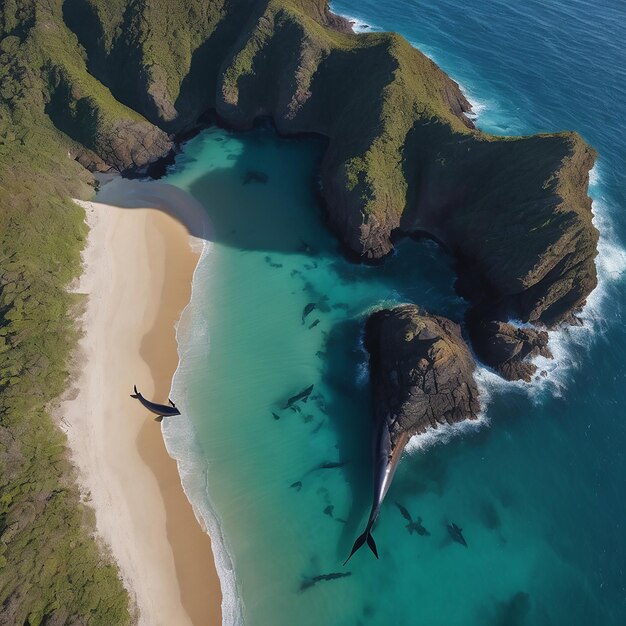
x: 568, y: 344
x: 182, y: 445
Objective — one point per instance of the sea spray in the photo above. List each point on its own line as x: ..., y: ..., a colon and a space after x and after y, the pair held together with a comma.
x: 569, y: 344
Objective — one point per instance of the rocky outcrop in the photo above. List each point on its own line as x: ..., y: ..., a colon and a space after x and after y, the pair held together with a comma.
x: 402, y: 157
x: 508, y: 348
x: 421, y: 371
x: 110, y: 133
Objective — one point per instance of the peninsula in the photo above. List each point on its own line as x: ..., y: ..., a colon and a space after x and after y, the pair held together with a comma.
x: 96, y: 86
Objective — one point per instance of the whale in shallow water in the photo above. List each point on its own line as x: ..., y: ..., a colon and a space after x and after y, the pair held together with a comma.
x: 160, y: 410
x: 386, y: 458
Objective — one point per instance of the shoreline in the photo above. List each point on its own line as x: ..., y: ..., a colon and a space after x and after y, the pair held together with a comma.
x: 138, y: 269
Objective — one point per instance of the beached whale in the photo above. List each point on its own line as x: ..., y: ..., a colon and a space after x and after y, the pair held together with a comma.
x: 386, y: 460
x: 421, y: 372
x: 160, y: 410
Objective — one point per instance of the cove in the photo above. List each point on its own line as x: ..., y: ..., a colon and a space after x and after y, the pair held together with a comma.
x: 284, y: 517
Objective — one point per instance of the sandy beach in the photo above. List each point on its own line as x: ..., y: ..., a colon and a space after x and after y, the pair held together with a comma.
x: 138, y: 267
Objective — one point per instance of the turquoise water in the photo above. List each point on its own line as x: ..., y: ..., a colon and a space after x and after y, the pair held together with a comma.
x: 537, y: 487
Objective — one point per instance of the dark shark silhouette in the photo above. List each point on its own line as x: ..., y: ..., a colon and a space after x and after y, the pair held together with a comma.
x: 302, y: 396
x: 307, y: 309
x: 307, y: 583
x: 160, y: 410
x: 456, y: 534
x: 412, y: 526
x: 328, y: 465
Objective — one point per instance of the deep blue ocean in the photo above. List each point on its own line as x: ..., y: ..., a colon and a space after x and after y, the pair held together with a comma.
x: 538, y: 486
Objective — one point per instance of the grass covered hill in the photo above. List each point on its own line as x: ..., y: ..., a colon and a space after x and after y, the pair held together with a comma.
x: 402, y: 157
x: 95, y: 84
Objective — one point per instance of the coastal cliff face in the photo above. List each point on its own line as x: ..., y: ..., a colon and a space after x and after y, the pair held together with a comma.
x: 421, y: 371
x: 96, y: 84
x: 402, y: 157
x: 118, y: 79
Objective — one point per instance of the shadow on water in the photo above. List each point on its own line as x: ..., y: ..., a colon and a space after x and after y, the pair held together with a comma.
x: 512, y: 612
x: 262, y: 203
x: 254, y: 201
x: 350, y: 416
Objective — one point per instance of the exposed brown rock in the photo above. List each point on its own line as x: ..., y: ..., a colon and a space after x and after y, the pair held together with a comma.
x: 508, y: 348
x: 421, y: 371
x: 402, y: 156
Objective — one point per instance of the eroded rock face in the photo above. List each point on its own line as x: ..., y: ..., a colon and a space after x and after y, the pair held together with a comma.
x: 514, y: 212
x: 421, y: 371
x: 507, y: 348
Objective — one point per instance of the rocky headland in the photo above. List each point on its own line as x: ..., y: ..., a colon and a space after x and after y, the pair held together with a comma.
x: 402, y: 157
x: 422, y: 376
x: 421, y: 371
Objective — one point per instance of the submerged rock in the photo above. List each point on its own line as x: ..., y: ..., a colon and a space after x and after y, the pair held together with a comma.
x: 421, y: 371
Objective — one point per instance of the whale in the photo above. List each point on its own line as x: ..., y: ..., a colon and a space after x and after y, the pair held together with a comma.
x: 160, y: 410
x: 386, y: 459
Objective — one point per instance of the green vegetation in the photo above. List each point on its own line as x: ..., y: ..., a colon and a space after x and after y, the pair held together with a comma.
x: 51, y: 569
x: 93, y: 84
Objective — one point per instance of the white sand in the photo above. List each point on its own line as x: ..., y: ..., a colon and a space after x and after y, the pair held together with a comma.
x: 138, y: 266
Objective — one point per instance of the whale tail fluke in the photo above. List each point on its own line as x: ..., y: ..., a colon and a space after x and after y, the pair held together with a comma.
x: 365, y: 537
x: 136, y: 394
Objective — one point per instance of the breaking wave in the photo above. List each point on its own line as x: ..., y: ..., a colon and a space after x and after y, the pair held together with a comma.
x: 182, y: 445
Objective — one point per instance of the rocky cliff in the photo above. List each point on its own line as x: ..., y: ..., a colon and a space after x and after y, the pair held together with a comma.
x: 113, y: 82
x: 95, y: 84
x: 402, y: 157
x: 118, y: 78
x: 421, y: 371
